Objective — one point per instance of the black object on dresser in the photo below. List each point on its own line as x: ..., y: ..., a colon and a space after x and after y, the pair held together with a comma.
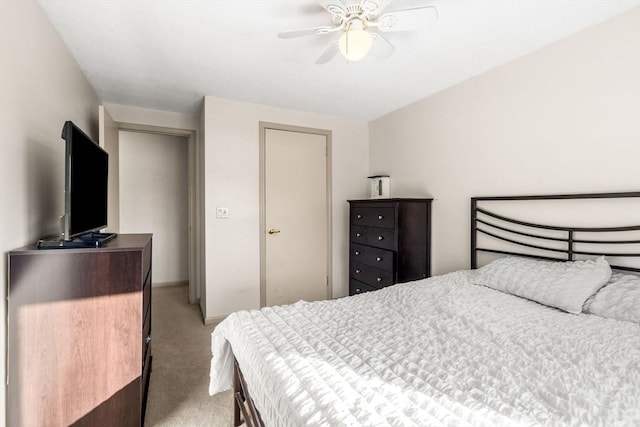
x: 390, y: 242
x: 79, y: 333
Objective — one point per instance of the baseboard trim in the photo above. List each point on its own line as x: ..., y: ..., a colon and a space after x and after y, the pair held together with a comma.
x: 213, y: 320
x: 164, y: 284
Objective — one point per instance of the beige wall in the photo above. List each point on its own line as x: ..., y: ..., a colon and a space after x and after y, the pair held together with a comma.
x: 41, y: 86
x: 563, y: 119
x: 154, y: 199
x: 231, y: 146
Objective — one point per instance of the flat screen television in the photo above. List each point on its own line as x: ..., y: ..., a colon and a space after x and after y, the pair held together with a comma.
x: 85, y: 192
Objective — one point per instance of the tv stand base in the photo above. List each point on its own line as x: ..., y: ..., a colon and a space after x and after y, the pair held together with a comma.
x: 88, y: 240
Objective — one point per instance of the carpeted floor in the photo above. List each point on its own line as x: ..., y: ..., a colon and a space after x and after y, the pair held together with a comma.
x: 181, y: 348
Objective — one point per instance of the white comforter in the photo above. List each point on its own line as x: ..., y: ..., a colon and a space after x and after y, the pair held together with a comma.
x: 440, y: 351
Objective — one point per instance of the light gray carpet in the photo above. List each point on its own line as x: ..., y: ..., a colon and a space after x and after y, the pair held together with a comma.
x: 181, y: 348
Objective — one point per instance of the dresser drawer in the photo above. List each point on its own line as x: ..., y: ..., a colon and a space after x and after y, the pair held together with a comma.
x: 146, y: 334
x: 371, y: 276
x: 373, y: 236
x: 146, y: 294
x: 357, y: 287
x: 378, y: 258
x: 146, y: 375
x: 146, y: 370
x: 373, y: 216
x: 146, y: 261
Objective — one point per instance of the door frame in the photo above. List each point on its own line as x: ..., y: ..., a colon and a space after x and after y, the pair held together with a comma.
x: 195, y: 252
x: 264, y: 126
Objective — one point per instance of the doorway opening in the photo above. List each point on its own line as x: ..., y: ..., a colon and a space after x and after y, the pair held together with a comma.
x: 109, y: 139
x: 153, y: 177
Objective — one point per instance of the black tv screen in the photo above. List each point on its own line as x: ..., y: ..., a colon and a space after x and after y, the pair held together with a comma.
x: 86, y: 173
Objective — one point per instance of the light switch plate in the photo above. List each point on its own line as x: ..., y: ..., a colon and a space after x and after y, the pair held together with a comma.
x: 222, y: 212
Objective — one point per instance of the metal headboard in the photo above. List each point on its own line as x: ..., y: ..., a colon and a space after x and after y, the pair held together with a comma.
x: 565, y: 245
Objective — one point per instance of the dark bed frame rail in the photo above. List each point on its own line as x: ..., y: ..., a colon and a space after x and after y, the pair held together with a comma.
x: 244, y: 410
x: 487, y: 223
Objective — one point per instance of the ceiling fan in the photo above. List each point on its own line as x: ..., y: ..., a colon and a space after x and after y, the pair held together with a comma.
x: 360, y: 25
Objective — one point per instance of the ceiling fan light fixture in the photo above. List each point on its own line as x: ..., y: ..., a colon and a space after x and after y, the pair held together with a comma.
x: 355, y: 43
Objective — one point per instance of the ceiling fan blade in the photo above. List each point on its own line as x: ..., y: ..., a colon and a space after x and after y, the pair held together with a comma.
x: 407, y: 19
x: 374, y: 8
x: 334, y: 7
x: 328, y: 54
x: 381, y: 48
x: 318, y: 31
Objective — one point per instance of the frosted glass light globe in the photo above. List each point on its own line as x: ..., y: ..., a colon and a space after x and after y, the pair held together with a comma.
x: 355, y: 43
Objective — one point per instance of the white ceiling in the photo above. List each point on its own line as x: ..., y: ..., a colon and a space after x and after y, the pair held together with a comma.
x: 167, y: 55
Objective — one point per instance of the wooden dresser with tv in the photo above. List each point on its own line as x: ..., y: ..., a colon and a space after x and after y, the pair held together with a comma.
x: 79, y: 333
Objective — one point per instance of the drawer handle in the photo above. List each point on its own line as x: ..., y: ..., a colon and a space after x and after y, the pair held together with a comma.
x: 380, y: 237
x: 378, y: 258
x: 379, y: 279
x: 380, y: 217
x: 147, y: 340
x: 357, y: 271
x: 358, y: 235
x: 357, y: 252
x: 358, y: 216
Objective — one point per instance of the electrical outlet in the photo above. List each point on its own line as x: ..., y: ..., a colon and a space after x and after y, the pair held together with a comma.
x: 222, y: 212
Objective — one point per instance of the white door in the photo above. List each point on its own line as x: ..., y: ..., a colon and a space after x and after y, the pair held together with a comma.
x: 296, y: 225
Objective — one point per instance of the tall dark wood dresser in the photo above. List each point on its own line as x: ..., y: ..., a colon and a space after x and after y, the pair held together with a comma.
x: 390, y: 242
x: 79, y: 333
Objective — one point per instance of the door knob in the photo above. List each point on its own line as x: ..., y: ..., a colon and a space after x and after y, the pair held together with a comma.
x: 273, y: 231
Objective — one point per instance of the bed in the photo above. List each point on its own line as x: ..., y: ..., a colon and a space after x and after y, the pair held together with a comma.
x: 543, y: 330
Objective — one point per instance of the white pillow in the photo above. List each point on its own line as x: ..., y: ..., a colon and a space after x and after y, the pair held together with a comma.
x: 564, y: 285
x: 619, y: 299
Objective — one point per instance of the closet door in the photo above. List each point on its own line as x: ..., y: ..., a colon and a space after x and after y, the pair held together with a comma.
x: 296, y: 223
